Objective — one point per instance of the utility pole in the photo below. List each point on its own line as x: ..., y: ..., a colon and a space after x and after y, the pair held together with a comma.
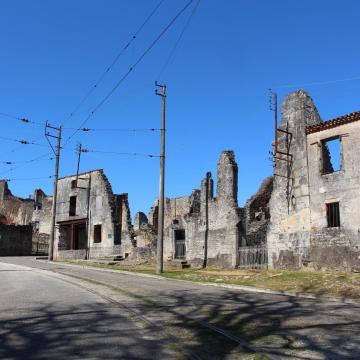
x: 53, y: 210
x: 160, y: 239
x: 79, y: 151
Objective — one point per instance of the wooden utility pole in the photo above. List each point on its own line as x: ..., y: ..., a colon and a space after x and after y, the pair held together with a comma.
x: 79, y: 151
x: 160, y: 239
x: 53, y: 210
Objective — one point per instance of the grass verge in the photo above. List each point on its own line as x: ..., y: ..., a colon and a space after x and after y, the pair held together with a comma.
x: 338, y: 284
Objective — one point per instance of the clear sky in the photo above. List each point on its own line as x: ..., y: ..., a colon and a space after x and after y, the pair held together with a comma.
x: 232, y: 51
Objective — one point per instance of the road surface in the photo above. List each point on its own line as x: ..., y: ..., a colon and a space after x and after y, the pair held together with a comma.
x: 55, y: 311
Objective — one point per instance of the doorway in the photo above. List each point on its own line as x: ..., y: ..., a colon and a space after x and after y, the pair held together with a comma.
x: 180, y: 248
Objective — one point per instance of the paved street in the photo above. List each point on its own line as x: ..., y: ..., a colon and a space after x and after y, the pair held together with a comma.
x: 54, y: 311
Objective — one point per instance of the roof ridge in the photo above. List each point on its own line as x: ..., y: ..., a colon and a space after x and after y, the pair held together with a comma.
x: 338, y: 121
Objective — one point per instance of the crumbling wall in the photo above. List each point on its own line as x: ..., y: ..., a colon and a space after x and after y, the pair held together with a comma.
x: 41, y: 221
x: 96, y: 204
x: 123, y: 221
x: 145, y: 235
x: 211, y: 224
x: 290, y: 226
x: 15, y: 240
x: 335, y: 247
x: 257, y: 214
x: 299, y: 233
x: 14, y: 210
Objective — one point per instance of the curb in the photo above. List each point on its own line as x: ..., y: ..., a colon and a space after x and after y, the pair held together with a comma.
x: 226, y: 286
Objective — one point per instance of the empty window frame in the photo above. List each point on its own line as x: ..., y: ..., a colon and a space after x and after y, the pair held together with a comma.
x: 97, y: 233
x: 333, y: 214
x: 179, y: 235
x: 331, y: 155
x: 72, y: 206
x: 37, y: 206
x: 73, y: 184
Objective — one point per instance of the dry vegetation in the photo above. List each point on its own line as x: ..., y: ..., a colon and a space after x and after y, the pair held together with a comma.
x: 339, y: 284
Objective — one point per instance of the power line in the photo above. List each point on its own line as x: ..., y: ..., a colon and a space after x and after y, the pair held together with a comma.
x: 22, y: 119
x: 122, y: 79
x: 24, y: 161
x: 177, y: 43
x: 27, y: 162
x: 23, y: 142
x: 26, y: 179
x: 318, y: 83
x: 109, y: 129
x: 124, y: 48
x: 119, y: 153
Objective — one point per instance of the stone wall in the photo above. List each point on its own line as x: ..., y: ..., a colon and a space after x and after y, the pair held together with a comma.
x: 298, y: 233
x: 95, y: 205
x: 14, y: 210
x: 210, y: 223
x: 290, y: 226
x: 256, y: 215
x: 15, y: 240
x: 340, y: 245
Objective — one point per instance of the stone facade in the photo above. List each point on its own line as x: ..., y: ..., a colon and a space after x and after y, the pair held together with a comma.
x: 14, y: 210
x: 15, y: 240
x: 91, y: 221
x: 300, y: 231
x: 34, y: 212
x: 200, y: 228
x: 256, y: 216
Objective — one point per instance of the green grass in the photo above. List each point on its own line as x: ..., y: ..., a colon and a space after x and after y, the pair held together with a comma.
x: 337, y: 284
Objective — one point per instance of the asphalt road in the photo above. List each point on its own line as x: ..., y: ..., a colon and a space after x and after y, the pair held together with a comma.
x: 54, y: 311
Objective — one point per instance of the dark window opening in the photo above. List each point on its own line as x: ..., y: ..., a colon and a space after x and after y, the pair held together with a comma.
x: 179, y: 234
x: 72, y: 206
x: 37, y: 206
x: 73, y: 184
x: 97, y: 233
x: 117, y: 238
x: 333, y: 214
x: 331, y: 155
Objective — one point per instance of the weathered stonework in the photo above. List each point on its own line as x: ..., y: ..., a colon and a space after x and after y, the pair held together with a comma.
x: 256, y: 215
x: 91, y: 221
x: 200, y: 228
x: 15, y: 240
x: 14, y: 210
x: 299, y: 234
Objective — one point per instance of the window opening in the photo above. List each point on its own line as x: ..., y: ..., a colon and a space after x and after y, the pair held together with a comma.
x: 97, y: 233
x: 333, y: 214
x: 331, y: 155
x: 72, y: 207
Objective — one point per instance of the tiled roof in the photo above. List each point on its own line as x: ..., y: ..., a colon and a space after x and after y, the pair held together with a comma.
x: 341, y: 120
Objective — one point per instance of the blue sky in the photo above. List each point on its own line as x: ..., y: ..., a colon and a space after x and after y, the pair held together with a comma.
x: 52, y: 53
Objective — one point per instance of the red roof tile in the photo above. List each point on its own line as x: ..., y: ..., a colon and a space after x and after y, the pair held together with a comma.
x: 341, y: 120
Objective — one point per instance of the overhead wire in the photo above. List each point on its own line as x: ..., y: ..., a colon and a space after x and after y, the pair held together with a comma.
x: 127, y: 73
x: 5, y: 162
x: 22, y: 141
x: 119, y: 153
x: 114, y: 129
x: 27, y: 179
x: 177, y: 43
x: 25, y: 163
x: 22, y: 119
x: 318, y: 83
x: 115, y: 60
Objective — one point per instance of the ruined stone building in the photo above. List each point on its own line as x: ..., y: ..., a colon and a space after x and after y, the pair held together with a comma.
x: 315, y: 203
x: 91, y: 221
x: 14, y: 210
x: 201, y: 227
x: 19, y: 231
